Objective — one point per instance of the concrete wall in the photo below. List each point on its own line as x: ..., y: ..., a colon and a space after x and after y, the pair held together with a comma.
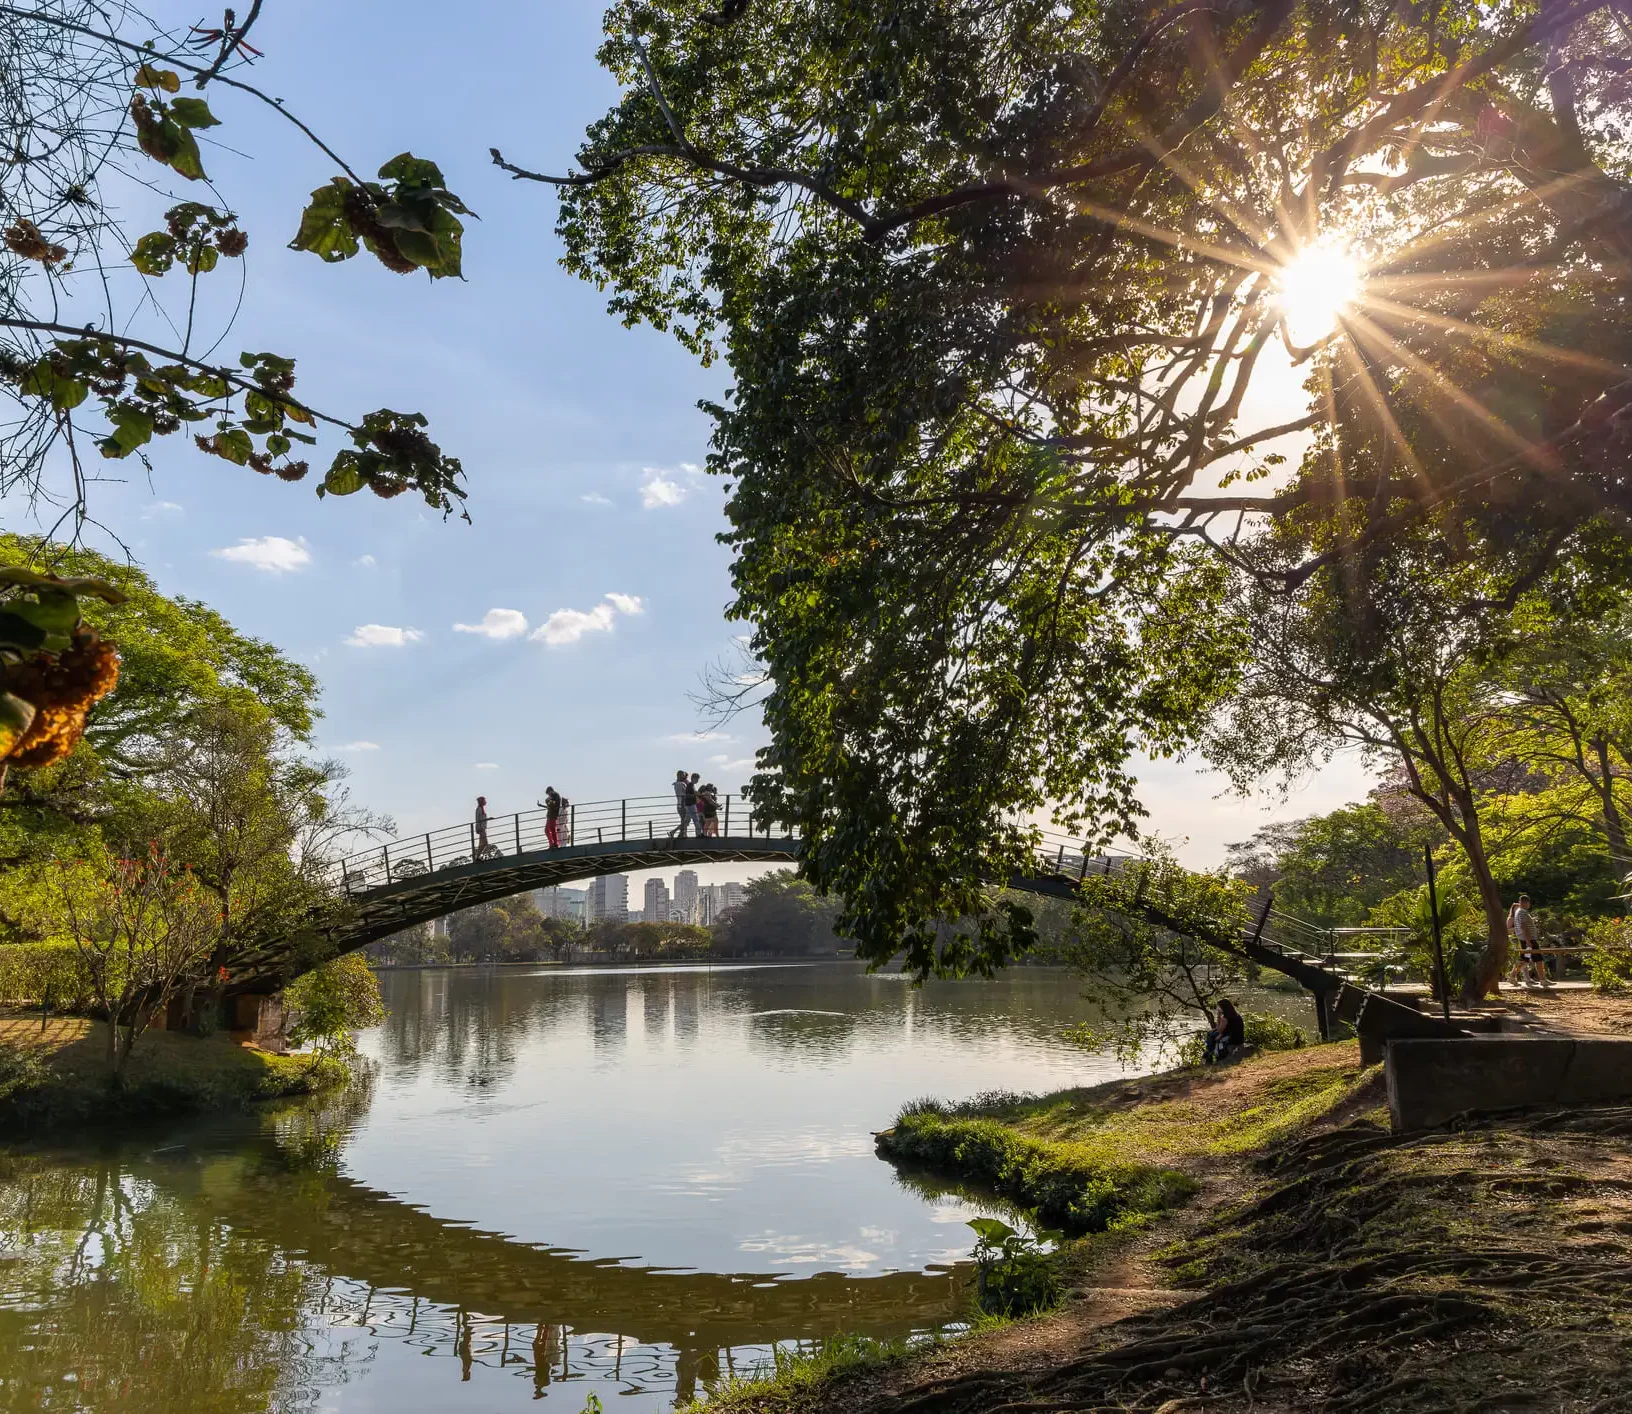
x: 1432, y: 1081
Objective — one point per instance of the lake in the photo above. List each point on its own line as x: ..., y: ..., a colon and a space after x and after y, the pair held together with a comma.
x: 555, y: 1182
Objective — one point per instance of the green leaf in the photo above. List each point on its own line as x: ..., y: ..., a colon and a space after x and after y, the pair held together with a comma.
x: 230, y: 444
x: 202, y: 259
x: 437, y: 249
x: 277, y: 444
x: 62, y: 390
x: 344, y: 478
x: 18, y: 632
x: 54, y: 614
x: 154, y: 253
x: 132, y: 428
x: 992, y: 1230
x: 324, y: 229
x: 412, y: 171
x: 193, y: 113
x: 16, y: 717
x: 149, y: 76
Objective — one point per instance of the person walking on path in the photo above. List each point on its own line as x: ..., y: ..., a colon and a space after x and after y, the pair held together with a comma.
x: 681, y: 787
x: 708, y: 810
x: 482, y: 846
x: 1531, y: 966
x: 552, y: 816
x: 695, y: 814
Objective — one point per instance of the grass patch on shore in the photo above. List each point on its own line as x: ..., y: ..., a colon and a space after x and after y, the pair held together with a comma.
x: 1069, y: 1186
x: 797, y: 1379
x: 57, y: 1074
x: 1096, y: 1159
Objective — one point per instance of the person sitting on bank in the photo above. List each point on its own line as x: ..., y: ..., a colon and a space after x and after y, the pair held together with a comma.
x: 1229, y: 1033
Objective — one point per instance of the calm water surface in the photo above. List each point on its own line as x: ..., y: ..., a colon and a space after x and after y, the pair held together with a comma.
x: 558, y: 1182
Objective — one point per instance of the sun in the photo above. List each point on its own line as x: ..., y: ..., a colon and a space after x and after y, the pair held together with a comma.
x: 1314, y: 289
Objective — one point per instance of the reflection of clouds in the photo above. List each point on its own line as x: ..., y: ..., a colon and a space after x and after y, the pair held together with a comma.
x: 740, y: 1151
x: 740, y: 1156
x: 786, y: 1250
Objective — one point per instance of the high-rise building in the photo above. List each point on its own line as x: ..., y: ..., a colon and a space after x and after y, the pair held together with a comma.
x: 708, y: 904
x: 657, y: 901
x: 685, y: 895
x: 558, y: 902
x: 608, y: 898
x: 730, y: 897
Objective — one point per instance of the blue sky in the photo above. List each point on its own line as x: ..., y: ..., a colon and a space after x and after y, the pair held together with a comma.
x: 580, y: 440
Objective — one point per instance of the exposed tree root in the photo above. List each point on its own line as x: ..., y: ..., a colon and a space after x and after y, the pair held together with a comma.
x: 1484, y: 1269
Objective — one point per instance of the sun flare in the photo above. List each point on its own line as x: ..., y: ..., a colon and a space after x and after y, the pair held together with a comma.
x: 1316, y: 287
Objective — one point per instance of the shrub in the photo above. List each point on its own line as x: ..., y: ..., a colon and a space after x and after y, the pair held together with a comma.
x: 1271, y: 1033
x: 1065, y: 1184
x: 330, y: 1004
x: 1609, y: 961
x: 1016, y: 1276
x: 1263, y: 1031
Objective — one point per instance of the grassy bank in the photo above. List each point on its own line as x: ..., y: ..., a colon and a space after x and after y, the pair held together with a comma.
x: 1321, y: 1264
x: 57, y: 1075
x: 1093, y: 1160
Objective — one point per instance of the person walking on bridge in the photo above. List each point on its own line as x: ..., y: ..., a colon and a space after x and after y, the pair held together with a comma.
x: 552, y: 816
x: 682, y: 787
x: 482, y: 846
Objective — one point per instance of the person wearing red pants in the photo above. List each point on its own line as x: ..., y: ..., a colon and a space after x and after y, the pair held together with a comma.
x: 552, y: 816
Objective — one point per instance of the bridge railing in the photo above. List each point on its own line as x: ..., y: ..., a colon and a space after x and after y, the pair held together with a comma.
x: 652, y: 818
x: 636, y: 818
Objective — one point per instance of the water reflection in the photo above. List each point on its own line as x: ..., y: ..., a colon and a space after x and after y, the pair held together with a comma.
x: 634, y: 1182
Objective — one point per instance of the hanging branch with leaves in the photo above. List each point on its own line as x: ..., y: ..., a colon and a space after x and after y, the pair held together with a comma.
x: 86, y: 106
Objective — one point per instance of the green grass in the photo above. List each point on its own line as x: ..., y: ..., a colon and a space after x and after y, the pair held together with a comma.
x: 58, y: 1074
x: 1068, y: 1186
x: 1094, y: 1160
x: 1280, y: 1095
x: 799, y: 1379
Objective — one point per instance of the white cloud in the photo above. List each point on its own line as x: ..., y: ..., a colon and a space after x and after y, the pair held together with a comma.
x: 569, y: 625
x: 697, y: 738
x: 159, y: 508
x: 594, y: 498
x: 271, y: 553
x: 657, y: 490
x: 366, y: 562
x: 487, y: 765
x: 382, y: 636
x: 361, y: 746
x: 497, y: 623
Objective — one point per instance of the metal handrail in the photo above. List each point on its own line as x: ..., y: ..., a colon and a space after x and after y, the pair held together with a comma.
x: 650, y: 818
x: 636, y: 818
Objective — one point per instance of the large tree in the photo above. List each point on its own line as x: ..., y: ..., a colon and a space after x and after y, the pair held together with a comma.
x: 1000, y: 286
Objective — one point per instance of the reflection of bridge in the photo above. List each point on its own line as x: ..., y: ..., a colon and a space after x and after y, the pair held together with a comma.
x: 358, y: 1233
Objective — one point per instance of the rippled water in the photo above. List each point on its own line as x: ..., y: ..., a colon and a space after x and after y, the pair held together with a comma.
x: 557, y: 1182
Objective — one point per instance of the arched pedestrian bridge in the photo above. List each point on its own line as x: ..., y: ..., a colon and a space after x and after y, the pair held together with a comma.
x: 417, y: 878
x: 414, y: 879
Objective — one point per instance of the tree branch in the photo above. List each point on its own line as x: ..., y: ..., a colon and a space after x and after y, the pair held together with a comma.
x: 229, y: 376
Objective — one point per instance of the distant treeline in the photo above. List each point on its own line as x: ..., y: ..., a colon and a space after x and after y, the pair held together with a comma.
x: 780, y: 916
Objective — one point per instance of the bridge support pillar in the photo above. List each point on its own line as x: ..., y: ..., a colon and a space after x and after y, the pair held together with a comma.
x: 261, y: 1022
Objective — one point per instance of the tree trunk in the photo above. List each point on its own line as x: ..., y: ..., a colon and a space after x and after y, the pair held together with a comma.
x: 1493, y: 961
x: 1614, y: 826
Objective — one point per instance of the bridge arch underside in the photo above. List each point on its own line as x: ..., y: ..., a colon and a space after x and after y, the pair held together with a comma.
x: 389, y: 908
